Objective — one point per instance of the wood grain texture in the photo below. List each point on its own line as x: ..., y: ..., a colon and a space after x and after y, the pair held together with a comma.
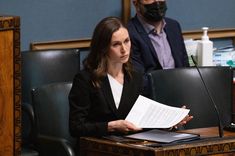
x: 6, y: 93
x: 210, y: 145
x: 10, y: 86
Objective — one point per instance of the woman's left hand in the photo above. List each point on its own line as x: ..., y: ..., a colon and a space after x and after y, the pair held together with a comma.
x: 185, y: 120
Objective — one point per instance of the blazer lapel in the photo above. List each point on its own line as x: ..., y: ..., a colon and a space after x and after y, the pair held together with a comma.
x: 145, y: 37
x: 171, y: 37
x: 125, y: 104
x: 107, y: 92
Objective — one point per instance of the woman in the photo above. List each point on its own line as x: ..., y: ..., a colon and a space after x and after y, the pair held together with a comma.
x: 105, y: 91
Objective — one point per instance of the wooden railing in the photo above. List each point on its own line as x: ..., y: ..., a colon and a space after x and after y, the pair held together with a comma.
x: 62, y: 44
x: 213, y: 34
x: 85, y: 43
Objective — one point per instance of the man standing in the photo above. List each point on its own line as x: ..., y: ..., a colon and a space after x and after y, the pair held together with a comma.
x: 157, y: 41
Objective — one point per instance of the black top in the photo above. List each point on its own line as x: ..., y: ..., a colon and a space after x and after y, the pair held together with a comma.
x: 91, y: 109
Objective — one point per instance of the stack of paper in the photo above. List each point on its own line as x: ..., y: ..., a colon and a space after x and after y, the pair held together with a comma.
x: 147, y: 113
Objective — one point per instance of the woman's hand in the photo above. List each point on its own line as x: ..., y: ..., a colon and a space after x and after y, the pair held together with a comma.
x: 185, y: 120
x: 122, y: 126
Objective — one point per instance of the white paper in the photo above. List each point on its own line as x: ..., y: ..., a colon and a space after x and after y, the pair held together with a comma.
x: 147, y: 113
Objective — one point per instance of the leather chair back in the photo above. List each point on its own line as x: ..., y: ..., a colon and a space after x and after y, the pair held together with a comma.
x: 51, y: 108
x: 47, y: 66
x: 40, y: 68
x: 183, y: 86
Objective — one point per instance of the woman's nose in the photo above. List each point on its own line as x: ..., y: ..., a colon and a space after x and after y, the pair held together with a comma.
x: 123, y: 50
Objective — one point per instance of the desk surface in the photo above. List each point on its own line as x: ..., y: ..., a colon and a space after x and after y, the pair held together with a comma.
x: 209, y: 144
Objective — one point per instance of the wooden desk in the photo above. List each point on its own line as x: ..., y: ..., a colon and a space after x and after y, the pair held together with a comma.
x: 210, y: 144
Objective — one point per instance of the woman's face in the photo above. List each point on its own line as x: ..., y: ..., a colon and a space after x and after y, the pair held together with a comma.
x: 120, y: 46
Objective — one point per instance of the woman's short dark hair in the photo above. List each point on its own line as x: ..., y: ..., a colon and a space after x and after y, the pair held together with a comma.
x: 96, y: 61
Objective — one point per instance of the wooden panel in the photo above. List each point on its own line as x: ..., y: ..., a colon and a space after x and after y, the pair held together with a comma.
x: 6, y: 92
x: 10, y: 86
x: 126, y: 11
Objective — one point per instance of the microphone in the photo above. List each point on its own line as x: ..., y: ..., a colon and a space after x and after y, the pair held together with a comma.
x: 220, y: 127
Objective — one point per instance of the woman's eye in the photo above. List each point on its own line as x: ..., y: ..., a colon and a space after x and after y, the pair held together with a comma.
x: 115, y: 44
x: 127, y: 40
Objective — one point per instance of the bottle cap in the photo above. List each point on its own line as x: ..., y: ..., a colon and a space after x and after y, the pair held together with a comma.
x: 205, y: 36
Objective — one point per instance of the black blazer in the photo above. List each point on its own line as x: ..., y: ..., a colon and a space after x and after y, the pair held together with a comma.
x: 91, y: 109
x: 144, y: 57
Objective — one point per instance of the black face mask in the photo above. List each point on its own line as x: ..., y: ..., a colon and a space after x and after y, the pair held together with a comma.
x: 154, y: 12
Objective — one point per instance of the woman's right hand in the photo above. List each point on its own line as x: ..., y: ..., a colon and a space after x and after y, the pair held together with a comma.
x: 122, y: 126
